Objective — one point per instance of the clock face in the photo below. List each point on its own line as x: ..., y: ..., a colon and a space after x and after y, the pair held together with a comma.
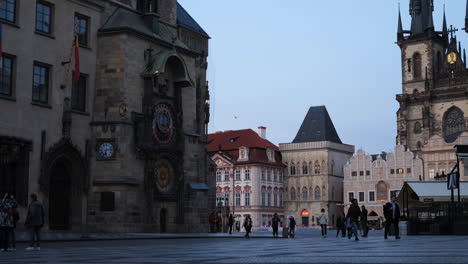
x: 163, y: 176
x: 106, y: 150
x: 452, y: 57
x: 163, y: 124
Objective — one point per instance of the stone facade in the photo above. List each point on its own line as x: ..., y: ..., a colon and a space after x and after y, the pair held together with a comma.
x: 133, y: 159
x: 372, y: 179
x: 249, y: 177
x: 314, y: 179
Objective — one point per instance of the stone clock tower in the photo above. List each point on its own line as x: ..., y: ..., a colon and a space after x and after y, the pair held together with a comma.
x: 434, y: 93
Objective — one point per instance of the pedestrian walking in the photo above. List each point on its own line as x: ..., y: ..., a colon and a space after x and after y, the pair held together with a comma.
x: 292, y: 227
x: 34, y: 222
x: 212, y: 220
x: 341, y: 225
x: 275, y: 224
x: 364, y: 224
x: 248, y: 225
x: 238, y: 226
x: 16, y: 218
x: 230, y: 223
x: 353, y: 215
x: 323, y: 221
x: 6, y: 222
x: 392, y: 217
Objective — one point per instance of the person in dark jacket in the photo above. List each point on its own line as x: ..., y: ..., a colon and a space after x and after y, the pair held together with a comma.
x: 248, y: 225
x: 340, y: 225
x: 292, y: 226
x: 275, y: 224
x: 353, y: 214
x: 392, y: 217
x: 364, y: 224
x: 34, y: 222
x: 230, y: 223
x: 6, y: 222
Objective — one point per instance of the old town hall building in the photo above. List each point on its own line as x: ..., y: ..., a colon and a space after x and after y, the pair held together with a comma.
x: 122, y: 148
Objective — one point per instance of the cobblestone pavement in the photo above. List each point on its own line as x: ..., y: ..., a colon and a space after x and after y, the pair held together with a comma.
x: 307, y: 247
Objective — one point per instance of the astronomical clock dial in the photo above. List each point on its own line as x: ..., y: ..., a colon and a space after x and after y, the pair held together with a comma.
x: 452, y: 58
x: 106, y: 150
x: 163, y: 124
x: 163, y: 176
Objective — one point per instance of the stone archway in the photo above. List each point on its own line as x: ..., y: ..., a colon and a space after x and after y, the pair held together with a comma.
x: 64, y: 181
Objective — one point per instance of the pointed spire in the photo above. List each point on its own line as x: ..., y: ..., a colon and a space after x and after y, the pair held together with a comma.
x: 444, y: 25
x: 459, y: 47
x: 466, y: 17
x: 464, y: 57
x: 430, y: 22
x: 400, y: 24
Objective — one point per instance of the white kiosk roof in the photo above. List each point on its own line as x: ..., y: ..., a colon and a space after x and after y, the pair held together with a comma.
x: 436, y: 190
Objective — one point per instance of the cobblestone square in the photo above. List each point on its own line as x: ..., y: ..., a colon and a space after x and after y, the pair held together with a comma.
x: 307, y: 247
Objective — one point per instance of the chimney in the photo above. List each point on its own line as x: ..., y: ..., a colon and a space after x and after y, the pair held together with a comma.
x: 262, y: 132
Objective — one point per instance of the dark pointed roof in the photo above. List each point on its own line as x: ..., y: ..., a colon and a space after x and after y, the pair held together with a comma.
x: 186, y: 20
x: 421, y: 14
x: 317, y: 126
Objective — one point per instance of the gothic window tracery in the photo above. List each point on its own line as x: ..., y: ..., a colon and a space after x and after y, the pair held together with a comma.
x: 304, y: 169
x: 293, y: 194
x: 454, y: 121
x: 317, y: 167
x: 317, y: 193
x: 305, y: 195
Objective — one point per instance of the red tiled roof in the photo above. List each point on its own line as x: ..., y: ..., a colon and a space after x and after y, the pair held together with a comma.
x: 229, y: 142
x: 241, y: 138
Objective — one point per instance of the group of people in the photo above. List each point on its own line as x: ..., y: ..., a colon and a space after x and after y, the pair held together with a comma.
x: 9, y: 217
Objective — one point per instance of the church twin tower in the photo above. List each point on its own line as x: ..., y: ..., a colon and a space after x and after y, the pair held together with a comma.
x: 434, y: 98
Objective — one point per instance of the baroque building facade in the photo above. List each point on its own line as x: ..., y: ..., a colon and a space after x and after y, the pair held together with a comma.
x: 123, y: 149
x: 314, y: 169
x: 372, y: 179
x: 249, y: 175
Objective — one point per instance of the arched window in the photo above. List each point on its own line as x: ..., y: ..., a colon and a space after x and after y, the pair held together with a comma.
x: 454, y: 121
x: 317, y: 193
x: 293, y: 194
x: 417, y: 128
x: 417, y: 66
x: 324, y: 167
x: 305, y: 170
x: 381, y: 188
x: 317, y: 167
x: 293, y: 169
x: 305, y: 194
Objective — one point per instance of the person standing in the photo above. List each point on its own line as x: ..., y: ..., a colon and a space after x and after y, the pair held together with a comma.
x: 353, y: 214
x: 212, y: 220
x: 392, y: 216
x: 6, y: 222
x: 364, y: 225
x: 341, y: 225
x: 14, y: 212
x: 34, y: 222
x: 292, y: 227
x: 323, y: 221
x: 230, y: 223
x: 275, y: 224
x: 248, y: 225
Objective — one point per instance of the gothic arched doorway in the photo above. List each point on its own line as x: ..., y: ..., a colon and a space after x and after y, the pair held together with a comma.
x: 59, y: 197
x: 163, y: 220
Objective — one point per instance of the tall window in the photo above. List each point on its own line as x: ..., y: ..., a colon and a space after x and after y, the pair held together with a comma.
x: 317, y: 194
x: 218, y: 176
x: 263, y: 198
x: 268, y: 175
x: 40, y: 83
x: 226, y: 199
x: 263, y: 174
x: 268, y: 199
x: 78, y: 100
x: 454, y: 121
x: 293, y: 194
x: 6, y: 76
x: 81, y: 29
x: 317, y: 167
x: 305, y: 170
x: 417, y: 66
x: 275, y: 199
x: 238, y: 199
x: 8, y: 11
x: 371, y: 196
x: 431, y: 173
x: 247, y: 199
x: 238, y: 175
x: 43, y: 17
x: 280, y: 199
x: 275, y: 175
x: 280, y: 176
x: 293, y: 169
x: 350, y: 197
x: 361, y: 196
x: 226, y: 175
x: 305, y: 195
x: 247, y: 175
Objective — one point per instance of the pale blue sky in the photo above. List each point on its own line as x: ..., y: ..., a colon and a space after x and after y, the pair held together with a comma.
x: 270, y: 60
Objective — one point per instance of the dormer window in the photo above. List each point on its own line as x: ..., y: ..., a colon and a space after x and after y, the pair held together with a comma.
x: 243, y: 154
x: 271, y: 155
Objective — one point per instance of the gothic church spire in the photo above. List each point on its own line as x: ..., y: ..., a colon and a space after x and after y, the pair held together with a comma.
x: 421, y: 14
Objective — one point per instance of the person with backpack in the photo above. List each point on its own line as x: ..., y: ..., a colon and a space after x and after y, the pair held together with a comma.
x: 323, y: 221
x: 248, y: 226
x: 34, y: 222
x: 275, y: 224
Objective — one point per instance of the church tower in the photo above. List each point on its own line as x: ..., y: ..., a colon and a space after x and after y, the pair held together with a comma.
x: 434, y: 78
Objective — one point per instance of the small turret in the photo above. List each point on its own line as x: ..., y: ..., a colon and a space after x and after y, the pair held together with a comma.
x: 400, y: 25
